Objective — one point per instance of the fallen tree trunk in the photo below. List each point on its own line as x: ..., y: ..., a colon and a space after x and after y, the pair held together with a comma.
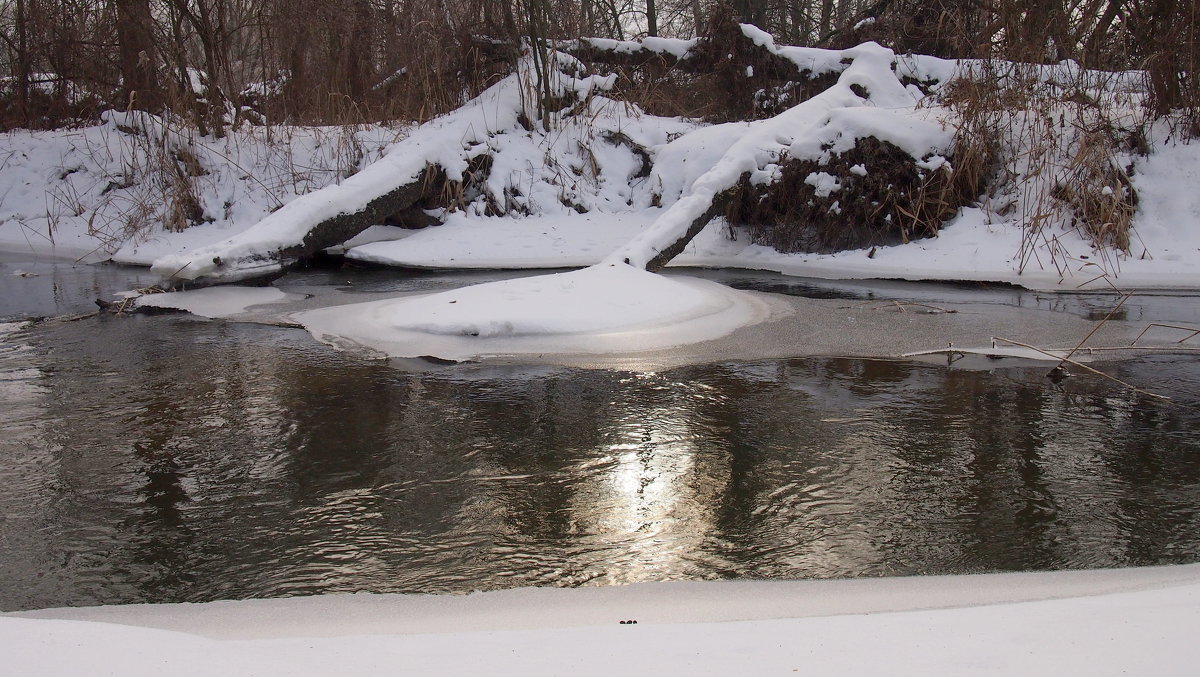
x: 436, y: 161
x: 663, y: 257
x: 338, y: 229
x: 702, y: 56
x: 731, y: 72
x: 868, y: 100
x: 258, y: 263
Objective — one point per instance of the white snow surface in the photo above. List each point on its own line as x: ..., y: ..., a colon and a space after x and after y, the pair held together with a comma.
x: 597, y: 310
x: 971, y: 248
x: 73, y: 193
x: 522, y: 177
x: 214, y: 302
x: 81, y: 193
x: 545, y: 241
x: 1166, y: 242
x: 1138, y: 621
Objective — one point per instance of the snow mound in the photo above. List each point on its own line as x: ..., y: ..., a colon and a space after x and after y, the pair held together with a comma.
x: 597, y: 310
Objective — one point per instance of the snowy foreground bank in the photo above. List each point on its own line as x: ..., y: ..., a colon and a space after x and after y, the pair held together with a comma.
x: 1135, y: 621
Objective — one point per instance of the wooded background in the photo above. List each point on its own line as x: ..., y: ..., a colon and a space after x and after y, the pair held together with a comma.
x: 216, y: 62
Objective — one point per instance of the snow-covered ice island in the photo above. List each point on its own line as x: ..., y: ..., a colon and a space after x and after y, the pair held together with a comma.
x: 616, y: 219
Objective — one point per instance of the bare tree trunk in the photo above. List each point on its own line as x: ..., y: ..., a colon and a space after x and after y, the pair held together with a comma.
x: 651, y: 19
x: 587, y: 20
x: 800, y: 31
x: 209, y: 23
x: 22, y: 65
x: 752, y: 11
x: 826, y: 21
x: 537, y: 33
x: 135, y: 38
x: 1093, y: 48
x: 358, y: 61
x: 1166, y: 64
x: 610, y: 19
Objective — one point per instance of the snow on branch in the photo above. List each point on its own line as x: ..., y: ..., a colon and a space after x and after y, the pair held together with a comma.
x: 450, y: 148
x: 868, y: 100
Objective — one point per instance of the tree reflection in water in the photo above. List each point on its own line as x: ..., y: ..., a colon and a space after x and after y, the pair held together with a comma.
x: 169, y: 459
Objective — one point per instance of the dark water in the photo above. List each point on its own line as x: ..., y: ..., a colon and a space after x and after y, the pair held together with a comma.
x: 173, y: 459
x: 1160, y: 306
x: 33, y: 288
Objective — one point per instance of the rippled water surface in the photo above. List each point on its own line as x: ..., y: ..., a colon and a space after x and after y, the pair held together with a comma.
x: 169, y: 458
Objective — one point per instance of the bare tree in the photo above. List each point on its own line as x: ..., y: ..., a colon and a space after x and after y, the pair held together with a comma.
x: 135, y: 44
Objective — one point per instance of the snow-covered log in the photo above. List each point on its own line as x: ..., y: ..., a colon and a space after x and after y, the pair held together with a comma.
x: 449, y: 148
x: 664, y: 51
x: 584, y: 158
x: 867, y: 100
x: 302, y: 227
x: 741, y: 45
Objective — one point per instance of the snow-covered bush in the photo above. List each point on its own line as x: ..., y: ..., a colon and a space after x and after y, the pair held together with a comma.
x: 873, y: 194
x: 1065, y: 142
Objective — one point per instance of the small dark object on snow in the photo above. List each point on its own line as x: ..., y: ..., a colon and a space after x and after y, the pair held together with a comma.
x: 628, y: 622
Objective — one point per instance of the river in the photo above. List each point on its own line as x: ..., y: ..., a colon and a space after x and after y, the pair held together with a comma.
x: 170, y: 458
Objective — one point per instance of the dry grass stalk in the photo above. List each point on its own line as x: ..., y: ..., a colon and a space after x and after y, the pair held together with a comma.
x: 1059, y: 141
x: 1099, y: 192
x: 1083, y: 366
x: 1101, y: 323
x: 1193, y: 332
x: 1146, y: 349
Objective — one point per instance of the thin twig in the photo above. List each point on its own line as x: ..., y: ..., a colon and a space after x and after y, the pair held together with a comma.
x: 898, y: 305
x: 1149, y: 349
x: 1094, y: 330
x: 1085, y: 367
x: 1167, y: 326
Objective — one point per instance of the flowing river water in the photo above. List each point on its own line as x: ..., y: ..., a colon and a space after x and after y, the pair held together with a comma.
x: 170, y: 458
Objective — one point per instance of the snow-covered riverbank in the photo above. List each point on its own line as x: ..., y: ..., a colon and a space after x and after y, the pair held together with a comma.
x: 1166, y: 256
x: 616, y: 179
x: 1135, y: 621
